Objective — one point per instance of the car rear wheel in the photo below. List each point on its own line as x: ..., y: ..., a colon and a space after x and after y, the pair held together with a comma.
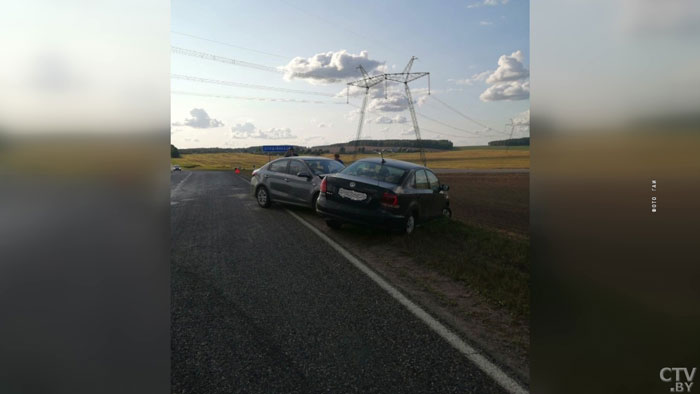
x: 410, y: 223
x: 334, y: 224
x: 263, y: 197
x: 313, y: 202
x: 447, y: 213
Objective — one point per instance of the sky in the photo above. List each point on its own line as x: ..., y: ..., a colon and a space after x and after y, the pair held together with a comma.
x: 299, y: 56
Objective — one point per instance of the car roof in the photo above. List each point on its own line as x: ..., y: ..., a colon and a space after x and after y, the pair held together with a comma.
x: 404, y: 165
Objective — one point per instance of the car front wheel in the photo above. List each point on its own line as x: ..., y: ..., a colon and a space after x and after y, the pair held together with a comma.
x: 263, y: 197
x: 410, y: 223
x: 447, y: 213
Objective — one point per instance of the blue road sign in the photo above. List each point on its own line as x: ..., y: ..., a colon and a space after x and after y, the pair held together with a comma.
x: 276, y: 148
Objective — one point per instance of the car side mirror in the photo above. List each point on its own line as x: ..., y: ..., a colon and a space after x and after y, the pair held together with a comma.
x: 444, y: 187
x: 304, y: 174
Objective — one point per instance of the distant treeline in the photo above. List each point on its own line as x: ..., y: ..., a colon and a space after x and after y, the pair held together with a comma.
x: 219, y: 150
x: 428, y: 144
x: 511, y: 142
x: 252, y: 149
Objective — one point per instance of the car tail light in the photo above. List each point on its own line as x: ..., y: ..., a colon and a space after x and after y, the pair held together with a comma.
x: 323, y: 185
x: 390, y: 200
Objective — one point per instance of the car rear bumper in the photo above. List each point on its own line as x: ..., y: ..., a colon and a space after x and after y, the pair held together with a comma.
x: 330, y: 209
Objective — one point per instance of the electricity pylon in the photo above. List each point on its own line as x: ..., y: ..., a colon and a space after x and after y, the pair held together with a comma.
x: 404, y: 77
x: 512, y: 130
x: 366, y: 82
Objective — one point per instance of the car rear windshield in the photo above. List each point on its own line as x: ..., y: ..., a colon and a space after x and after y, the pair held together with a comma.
x: 376, y: 171
x: 319, y: 166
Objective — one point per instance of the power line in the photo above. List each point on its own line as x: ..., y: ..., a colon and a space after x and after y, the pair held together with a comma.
x: 230, y: 45
x: 474, y: 133
x: 465, y: 116
x: 247, y: 85
x: 268, y: 99
x: 208, y: 56
x: 443, y: 134
x: 448, y: 125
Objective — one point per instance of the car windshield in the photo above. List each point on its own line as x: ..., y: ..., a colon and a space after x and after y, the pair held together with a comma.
x: 376, y: 171
x: 320, y: 166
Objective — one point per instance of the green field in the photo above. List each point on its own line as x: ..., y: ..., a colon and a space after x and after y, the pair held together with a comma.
x: 482, y: 157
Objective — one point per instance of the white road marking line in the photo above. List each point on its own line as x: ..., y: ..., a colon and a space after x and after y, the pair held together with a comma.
x: 453, y: 339
x: 179, y: 184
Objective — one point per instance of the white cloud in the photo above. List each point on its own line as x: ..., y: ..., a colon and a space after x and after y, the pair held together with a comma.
x: 200, y: 120
x: 400, y: 119
x: 393, y: 101
x: 522, y: 119
x: 513, y: 90
x: 330, y: 67
x: 325, y: 125
x: 510, y: 81
x: 480, y: 77
x: 488, y: 3
x: 485, y: 23
x: 510, y: 68
x: 387, y: 120
x: 396, y: 101
x: 352, y: 114
x: 521, y: 123
x: 248, y: 130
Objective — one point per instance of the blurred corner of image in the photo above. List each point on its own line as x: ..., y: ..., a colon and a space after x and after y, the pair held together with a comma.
x: 614, y: 190
x: 84, y: 135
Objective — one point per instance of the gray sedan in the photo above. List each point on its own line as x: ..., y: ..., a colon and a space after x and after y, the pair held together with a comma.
x: 294, y: 180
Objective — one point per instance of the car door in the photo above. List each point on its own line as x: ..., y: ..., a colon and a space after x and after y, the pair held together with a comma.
x: 424, y: 194
x: 437, y: 199
x: 299, y: 187
x: 275, y: 177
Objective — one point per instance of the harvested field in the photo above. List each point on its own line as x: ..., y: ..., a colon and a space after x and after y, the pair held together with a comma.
x: 498, y: 201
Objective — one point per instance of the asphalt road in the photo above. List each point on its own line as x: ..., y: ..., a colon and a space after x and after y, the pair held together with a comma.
x: 260, y: 304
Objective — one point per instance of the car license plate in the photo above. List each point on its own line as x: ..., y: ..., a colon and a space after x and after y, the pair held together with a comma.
x: 352, y: 195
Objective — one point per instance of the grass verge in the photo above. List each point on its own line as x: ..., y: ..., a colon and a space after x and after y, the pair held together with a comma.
x: 488, y: 262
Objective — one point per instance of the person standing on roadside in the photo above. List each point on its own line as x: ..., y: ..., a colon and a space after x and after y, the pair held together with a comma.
x: 290, y: 152
x: 337, y: 158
